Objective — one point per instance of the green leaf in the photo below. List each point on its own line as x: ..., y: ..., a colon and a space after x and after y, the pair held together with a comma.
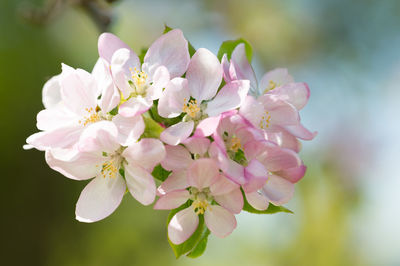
x: 142, y: 53
x: 227, y: 48
x: 201, y: 246
x: 271, y: 208
x: 152, y: 128
x: 160, y: 173
x: 191, y: 48
x: 196, y: 243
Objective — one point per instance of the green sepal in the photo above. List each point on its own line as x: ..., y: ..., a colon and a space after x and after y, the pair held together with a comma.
x: 152, y: 128
x: 165, y: 121
x: 191, y: 48
x: 142, y: 54
x: 160, y: 173
x: 196, y: 244
x: 270, y: 210
x: 227, y: 48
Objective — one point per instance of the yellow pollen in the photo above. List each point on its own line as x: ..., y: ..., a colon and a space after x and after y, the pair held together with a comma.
x: 109, y: 169
x: 272, y: 85
x: 235, y: 144
x: 191, y: 108
x: 92, y: 117
x: 139, y: 79
x: 200, y: 206
x: 265, y: 120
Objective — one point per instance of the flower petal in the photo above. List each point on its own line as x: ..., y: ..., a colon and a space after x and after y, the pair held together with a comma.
x: 99, y: 199
x: 204, y: 75
x: 257, y: 201
x: 207, y: 126
x: 172, y: 200
x: 279, y: 76
x: 177, y: 158
x: 203, y: 173
x: 230, y: 97
x: 51, y: 94
x: 252, y: 110
x: 135, y: 106
x: 160, y: 80
x: 256, y: 176
x: 278, y: 190
x: 129, y: 128
x: 171, y: 51
x: 99, y: 137
x: 175, y: 95
x: 147, y: 153
x: 182, y: 225
x: 108, y: 43
x: 301, y: 132
x: 296, y: 94
x: 222, y: 186
x: 197, y: 145
x: 56, y: 117
x: 242, y: 66
x: 140, y: 183
x: 293, y: 174
x: 176, y: 180
x: 64, y: 137
x: 177, y: 133
x: 232, y: 201
x: 220, y: 221
x: 73, y: 164
x: 281, y: 112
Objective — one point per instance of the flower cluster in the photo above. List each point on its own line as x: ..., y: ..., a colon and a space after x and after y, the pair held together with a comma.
x: 214, y: 139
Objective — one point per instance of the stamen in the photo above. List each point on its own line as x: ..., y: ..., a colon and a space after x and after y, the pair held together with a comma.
x: 272, y: 85
x: 92, y: 117
x: 139, y: 79
x: 200, y: 206
x: 265, y: 120
x: 109, y: 169
x: 235, y: 144
x: 191, y: 108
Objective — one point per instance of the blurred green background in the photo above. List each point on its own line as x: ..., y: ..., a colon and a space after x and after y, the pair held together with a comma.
x: 347, y: 206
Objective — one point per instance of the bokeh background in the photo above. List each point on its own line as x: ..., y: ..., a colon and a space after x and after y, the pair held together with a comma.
x: 347, y: 206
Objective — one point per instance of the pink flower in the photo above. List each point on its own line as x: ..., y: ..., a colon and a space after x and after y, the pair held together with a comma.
x: 206, y: 185
x: 98, y: 154
x: 197, y: 97
x: 273, y: 104
x: 167, y: 57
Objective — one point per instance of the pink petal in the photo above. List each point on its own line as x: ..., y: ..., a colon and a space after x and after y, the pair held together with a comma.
x: 182, y: 225
x: 123, y: 62
x: 73, y: 164
x: 64, y: 137
x: 204, y: 75
x: 99, y: 137
x: 225, y: 67
x: 140, y: 183
x: 79, y: 91
x: 230, y: 97
x: 256, y: 176
x: 220, y: 221
x: 222, y: 186
x: 242, y: 66
x: 175, y: 95
x: 129, y: 128
x: 147, y: 153
x: 257, y: 201
x: 177, y: 158
x: 281, y: 112
x: 110, y: 96
x: 252, y: 110
x: 171, y: 51
x: 296, y: 94
x: 207, y: 126
x: 177, y: 133
x: 51, y: 94
x: 108, y: 43
x: 278, y: 190
x: 279, y: 76
x: 203, y: 173
x: 283, y: 138
x: 301, y: 132
x: 232, y: 201
x: 175, y: 181
x: 135, y: 106
x: 197, y: 145
x: 293, y: 174
x: 160, y: 81
x: 172, y: 200
x: 99, y: 199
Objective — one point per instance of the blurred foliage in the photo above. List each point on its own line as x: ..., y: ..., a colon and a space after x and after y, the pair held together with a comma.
x: 38, y: 226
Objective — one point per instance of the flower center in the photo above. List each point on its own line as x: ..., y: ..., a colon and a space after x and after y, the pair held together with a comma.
x: 235, y: 144
x: 265, y: 120
x: 272, y: 85
x: 111, y: 167
x: 201, y: 200
x: 191, y: 108
x: 139, y: 79
x: 92, y: 116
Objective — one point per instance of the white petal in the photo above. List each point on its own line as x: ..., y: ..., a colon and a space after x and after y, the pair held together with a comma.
x: 147, y: 153
x: 182, y: 225
x: 177, y: 133
x: 220, y: 221
x: 140, y: 184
